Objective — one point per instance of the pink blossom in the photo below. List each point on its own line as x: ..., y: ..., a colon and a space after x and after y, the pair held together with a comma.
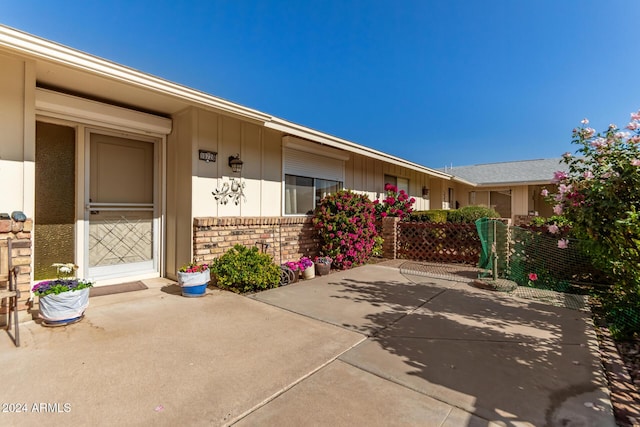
x: 553, y: 229
x: 563, y: 243
x: 635, y: 116
x: 567, y: 155
x: 587, y: 175
x: 563, y: 188
x: 621, y: 135
x: 584, y: 121
x: 635, y: 162
x: 533, y: 277
x: 634, y: 139
x: 559, y: 176
x: 612, y: 126
x: 557, y: 209
x: 633, y: 126
x: 588, y: 132
x: 544, y: 192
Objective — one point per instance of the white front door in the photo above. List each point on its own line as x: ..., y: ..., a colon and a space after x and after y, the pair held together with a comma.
x: 121, y: 239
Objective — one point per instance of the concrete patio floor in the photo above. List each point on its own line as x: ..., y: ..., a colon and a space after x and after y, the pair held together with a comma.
x: 369, y: 346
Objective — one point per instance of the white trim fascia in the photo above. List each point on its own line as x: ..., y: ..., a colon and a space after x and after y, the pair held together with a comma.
x: 44, y: 49
x: 513, y: 183
x: 463, y: 181
x: 332, y: 141
x: 63, y: 106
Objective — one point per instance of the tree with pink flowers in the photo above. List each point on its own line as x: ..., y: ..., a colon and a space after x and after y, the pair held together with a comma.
x: 600, y: 195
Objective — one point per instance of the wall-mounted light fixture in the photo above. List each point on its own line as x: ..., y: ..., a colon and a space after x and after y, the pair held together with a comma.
x: 235, y: 163
x: 425, y: 192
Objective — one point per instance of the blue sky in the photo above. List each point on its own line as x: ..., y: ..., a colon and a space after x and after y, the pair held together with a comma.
x: 436, y: 82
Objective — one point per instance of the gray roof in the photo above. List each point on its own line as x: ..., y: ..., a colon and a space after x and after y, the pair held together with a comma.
x: 522, y: 171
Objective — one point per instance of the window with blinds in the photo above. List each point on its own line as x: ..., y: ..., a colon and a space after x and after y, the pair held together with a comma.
x: 309, y: 177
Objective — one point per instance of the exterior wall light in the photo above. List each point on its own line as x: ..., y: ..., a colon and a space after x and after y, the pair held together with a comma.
x: 235, y: 163
x: 425, y: 192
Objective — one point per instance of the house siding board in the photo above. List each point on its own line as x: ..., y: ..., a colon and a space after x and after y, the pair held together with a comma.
x: 271, y: 187
x: 179, y: 188
x: 13, y: 122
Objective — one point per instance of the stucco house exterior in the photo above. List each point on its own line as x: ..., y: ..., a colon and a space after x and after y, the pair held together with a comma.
x: 130, y: 176
x: 511, y: 188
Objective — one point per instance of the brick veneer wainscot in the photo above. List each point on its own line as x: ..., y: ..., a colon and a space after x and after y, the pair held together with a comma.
x: 289, y: 238
x: 20, y: 234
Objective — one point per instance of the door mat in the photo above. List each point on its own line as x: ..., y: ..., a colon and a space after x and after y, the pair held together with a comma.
x: 117, y: 289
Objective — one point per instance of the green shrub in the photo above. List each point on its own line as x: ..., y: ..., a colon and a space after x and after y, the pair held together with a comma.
x: 435, y: 215
x: 558, y: 220
x: 470, y: 214
x: 244, y: 269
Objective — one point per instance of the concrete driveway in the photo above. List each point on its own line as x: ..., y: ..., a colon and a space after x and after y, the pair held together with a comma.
x: 370, y: 346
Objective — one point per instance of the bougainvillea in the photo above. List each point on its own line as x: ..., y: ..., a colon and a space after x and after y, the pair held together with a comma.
x: 345, y: 222
x: 396, y: 203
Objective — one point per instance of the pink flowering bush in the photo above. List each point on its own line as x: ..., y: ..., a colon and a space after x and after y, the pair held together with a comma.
x: 345, y: 222
x: 395, y: 204
x: 599, y: 196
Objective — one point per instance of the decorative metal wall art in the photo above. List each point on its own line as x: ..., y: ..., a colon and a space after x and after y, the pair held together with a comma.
x: 233, y: 190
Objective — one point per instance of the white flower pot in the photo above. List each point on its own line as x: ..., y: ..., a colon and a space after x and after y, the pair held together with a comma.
x: 194, y: 284
x: 64, y: 308
x: 309, y: 273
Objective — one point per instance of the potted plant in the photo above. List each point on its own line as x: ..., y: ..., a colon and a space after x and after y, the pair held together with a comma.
x: 193, y: 279
x: 323, y: 265
x: 64, y: 300
x: 306, y: 265
x: 293, y: 270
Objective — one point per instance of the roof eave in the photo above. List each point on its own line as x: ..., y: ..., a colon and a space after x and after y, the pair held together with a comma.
x: 512, y: 183
x: 332, y: 141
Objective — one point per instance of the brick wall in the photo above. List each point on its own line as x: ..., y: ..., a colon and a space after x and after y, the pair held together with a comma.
x: 288, y: 238
x: 390, y: 236
x: 20, y: 234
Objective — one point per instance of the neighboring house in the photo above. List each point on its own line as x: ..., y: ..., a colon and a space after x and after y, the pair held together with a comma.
x: 511, y: 188
x: 130, y: 176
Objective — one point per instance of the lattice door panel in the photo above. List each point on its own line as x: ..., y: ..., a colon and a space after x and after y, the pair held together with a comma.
x: 439, y: 242
x: 120, y: 238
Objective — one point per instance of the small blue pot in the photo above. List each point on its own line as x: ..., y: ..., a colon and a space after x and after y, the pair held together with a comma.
x: 194, y: 291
